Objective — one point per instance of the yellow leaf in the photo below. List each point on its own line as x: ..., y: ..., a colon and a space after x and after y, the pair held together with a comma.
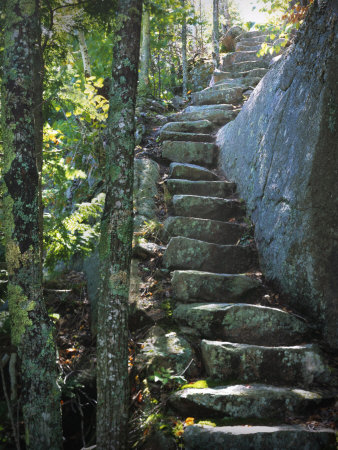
x: 68, y: 114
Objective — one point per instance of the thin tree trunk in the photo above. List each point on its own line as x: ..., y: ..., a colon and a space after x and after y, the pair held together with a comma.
x: 84, y: 54
x: 31, y: 328
x: 116, y: 234
x: 215, y: 33
x: 184, y: 52
x: 145, y: 53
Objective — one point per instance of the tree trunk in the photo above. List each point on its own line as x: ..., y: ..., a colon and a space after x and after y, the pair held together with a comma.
x: 116, y: 234
x: 145, y: 53
x: 31, y: 328
x: 215, y: 33
x: 84, y: 54
x: 184, y: 52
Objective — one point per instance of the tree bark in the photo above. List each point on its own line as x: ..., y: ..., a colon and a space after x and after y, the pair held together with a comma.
x: 116, y: 234
x: 184, y: 52
x: 145, y: 53
x: 215, y: 33
x: 31, y: 328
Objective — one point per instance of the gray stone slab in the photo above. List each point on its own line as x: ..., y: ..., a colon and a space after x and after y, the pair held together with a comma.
x: 181, y: 136
x: 203, y: 207
x: 196, y: 126
x: 192, y: 285
x: 243, y: 323
x: 281, y: 437
x: 184, y: 253
x: 221, y: 189
x: 191, y: 172
x: 213, y: 231
x: 300, y: 365
x: 244, y: 401
x: 190, y: 152
x: 212, y: 97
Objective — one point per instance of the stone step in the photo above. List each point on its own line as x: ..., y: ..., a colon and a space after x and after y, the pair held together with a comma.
x: 212, y: 231
x: 242, y: 323
x: 242, y: 56
x: 191, y: 172
x: 217, y: 116
x: 240, y: 67
x: 252, y: 41
x: 192, y: 254
x: 252, y: 35
x: 240, y: 47
x: 197, y: 126
x: 297, y: 365
x: 213, y: 208
x: 253, y: 76
x: 192, y: 286
x: 220, y: 189
x: 241, y: 437
x: 205, y: 108
x: 180, y: 136
x: 256, y: 401
x: 213, y: 97
x: 190, y: 152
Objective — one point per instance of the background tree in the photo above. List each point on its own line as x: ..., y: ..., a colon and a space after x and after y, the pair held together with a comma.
x: 117, y: 232
x: 184, y: 52
x: 145, y: 53
x: 22, y: 142
x: 215, y: 33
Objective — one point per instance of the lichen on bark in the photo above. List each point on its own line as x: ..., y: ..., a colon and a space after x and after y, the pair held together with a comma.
x: 30, y: 325
x: 116, y: 234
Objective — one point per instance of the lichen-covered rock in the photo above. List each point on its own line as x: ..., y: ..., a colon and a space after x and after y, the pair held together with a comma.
x: 192, y: 285
x: 185, y: 136
x: 244, y: 401
x: 242, y: 323
x: 297, y: 365
x: 220, y: 189
x: 213, y: 231
x: 197, y: 126
x: 185, y: 253
x: 190, y: 152
x: 164, y: 350
x: 212, y: 97
x: 191, y: 172
x: 282, y: 151
x: 227, y: 41
x: 213, y: 208
x: 286, y: 437
x: 146, y: 173
x: 218, y: 116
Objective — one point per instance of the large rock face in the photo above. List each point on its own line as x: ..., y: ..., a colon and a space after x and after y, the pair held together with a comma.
x: 282, y: 152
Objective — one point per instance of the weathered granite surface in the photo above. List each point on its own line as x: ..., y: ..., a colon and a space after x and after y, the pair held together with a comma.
x: 281, y: 150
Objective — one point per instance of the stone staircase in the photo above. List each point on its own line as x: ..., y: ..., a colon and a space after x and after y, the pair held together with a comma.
x: 260, y: 354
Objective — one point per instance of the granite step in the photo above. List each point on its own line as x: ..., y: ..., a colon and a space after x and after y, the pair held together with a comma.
x: 217, y: 116
x: 202, y: 207
x: 212, y: 97
x: 191, y: 286
x: 191, y: 172
x: 252, y: 35
x: 301, y: 365
x: 254, y: 75
x: 192, y: 254
x: 220, y: 189
x: 243, y: 56
x: 242, y: 323
x: 212, y: 231
x: 197, y: 126
x: 252, y: 40
x: 240, y: 67
x: 279, y: 437
x: 182, y: 136
x: 256, y: 401
x: 190, y: 152
x: 240, y: 47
